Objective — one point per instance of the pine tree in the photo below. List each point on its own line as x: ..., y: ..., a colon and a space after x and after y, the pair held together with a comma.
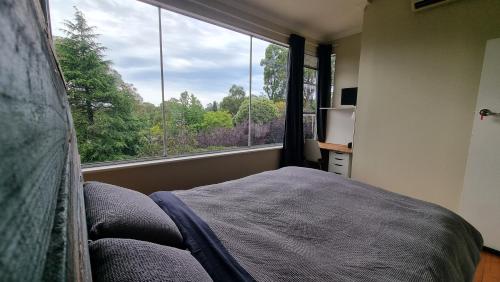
x: 102, y: 104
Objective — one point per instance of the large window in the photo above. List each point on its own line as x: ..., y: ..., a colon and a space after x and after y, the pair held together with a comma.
x: 310, y: 92
x: 145, y: 82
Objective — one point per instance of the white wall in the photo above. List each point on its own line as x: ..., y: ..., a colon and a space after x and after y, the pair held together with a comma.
x: 347, y: 52
x: 340, y: 124
x: 418, y: 82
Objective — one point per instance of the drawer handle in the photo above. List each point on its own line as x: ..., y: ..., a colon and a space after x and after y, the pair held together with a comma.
x: 338, y: 165
x: 339, y: 159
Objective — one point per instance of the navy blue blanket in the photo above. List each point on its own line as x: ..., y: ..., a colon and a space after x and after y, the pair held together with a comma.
x: 200, y: 240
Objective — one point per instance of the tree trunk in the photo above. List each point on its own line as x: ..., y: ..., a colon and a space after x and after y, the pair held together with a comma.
x: 90, y: 112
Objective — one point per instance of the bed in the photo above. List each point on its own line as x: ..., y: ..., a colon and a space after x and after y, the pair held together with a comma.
x: 299, y: 224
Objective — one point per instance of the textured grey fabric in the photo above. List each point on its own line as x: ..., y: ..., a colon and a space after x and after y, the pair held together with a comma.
x: 298, y: 224
x: 117, y: 212
x: 127, y: 260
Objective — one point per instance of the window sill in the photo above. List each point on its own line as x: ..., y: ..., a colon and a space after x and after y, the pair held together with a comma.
x: 142, y: 163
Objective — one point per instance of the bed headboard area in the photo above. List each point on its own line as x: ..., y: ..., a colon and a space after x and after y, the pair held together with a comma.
x: 42, y: 216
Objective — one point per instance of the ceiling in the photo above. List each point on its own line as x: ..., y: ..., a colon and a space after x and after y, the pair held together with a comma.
x: 318, y: 20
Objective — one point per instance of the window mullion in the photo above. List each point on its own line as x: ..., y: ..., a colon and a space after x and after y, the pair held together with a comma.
x: 250, y: 96
x: 164, y: 122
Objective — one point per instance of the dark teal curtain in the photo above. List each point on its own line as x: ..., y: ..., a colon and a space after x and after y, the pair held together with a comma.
x: 323, y: 88
x: 293, y: 141
x: 323, y: 94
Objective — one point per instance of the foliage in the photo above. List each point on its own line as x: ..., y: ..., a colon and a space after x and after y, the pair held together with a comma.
x: 213, y: 107
x: 184, y: 113
x: 225, y: 137
x: 275, y: 72
x: 183, y: 141
x: 232, y: 102
x: 151, y: 130
x: 263, y: 111
x: 220, y: 119
x: 310, y: 81
x: 281, y: 106
x: 268, y: 133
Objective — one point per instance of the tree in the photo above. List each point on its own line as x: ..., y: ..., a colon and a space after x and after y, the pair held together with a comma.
x: 185, y: 113
x: 275, y: 72
x: 87, y: 74
x: 184, y: 117
x: 152, y: 129
x: 309, y: 96
x: 232, y: 102
x: 102, y: 104
x: 220, y: 119
x: 212, y: 107
x: 263, y: 111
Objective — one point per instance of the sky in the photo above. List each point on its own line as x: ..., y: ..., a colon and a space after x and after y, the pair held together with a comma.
x: 199, y: 57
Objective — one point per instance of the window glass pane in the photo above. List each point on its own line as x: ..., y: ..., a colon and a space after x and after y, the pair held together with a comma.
x: 206, y: 70
x: 309, y: 107
x: 109, y: 55
x: 310, y: 61
x: 269, y: 80
x: 310, y: 79
x: 309, y: 121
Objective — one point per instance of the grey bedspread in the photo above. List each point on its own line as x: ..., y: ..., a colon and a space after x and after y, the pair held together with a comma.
x: 297, y: 224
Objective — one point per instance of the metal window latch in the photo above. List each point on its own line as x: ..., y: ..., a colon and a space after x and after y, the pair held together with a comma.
x: 486, y: 112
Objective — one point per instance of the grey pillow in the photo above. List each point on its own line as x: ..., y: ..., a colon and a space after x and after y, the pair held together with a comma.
x: 127, y: 260
x: 117, y: 212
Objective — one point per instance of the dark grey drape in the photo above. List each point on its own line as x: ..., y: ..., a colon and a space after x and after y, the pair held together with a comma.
x: 323, y: 88
x: 293, y: 141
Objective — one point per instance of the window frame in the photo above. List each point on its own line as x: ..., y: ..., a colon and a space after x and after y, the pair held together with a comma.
x: 230, y: 150
x: 249, y: 146
x: 147, y: 161
x: 312, y: 114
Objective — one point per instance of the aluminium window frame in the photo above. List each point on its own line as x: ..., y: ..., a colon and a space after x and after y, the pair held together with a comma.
x: 146, y: 161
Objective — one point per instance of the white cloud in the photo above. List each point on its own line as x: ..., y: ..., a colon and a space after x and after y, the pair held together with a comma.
x: 201, y: 58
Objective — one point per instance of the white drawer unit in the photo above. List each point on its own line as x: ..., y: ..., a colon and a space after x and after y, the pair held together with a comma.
x: 340, y: 163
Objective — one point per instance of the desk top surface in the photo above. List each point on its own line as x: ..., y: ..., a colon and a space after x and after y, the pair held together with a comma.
x: 335, y: 147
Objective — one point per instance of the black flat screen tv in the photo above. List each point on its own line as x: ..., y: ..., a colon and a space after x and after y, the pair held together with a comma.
x: 349, y: 96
